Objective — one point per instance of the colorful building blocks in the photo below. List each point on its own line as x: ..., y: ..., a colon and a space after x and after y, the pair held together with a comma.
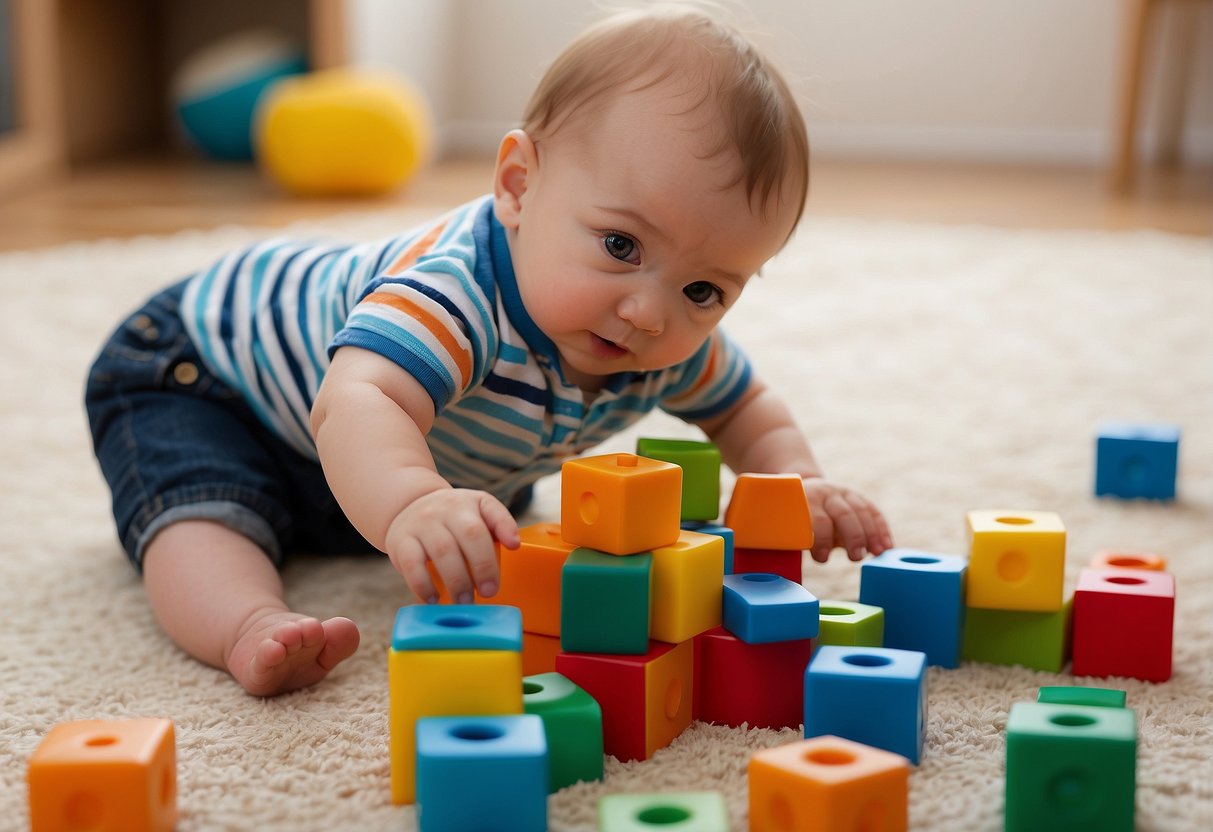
x: 505, y: 757
x: 620, y: 503
x: 1136, y: 461
x: 676, y: 812
x: 1016, y: 560
x: 759, y: 685
x: 435, y: 651
x: 827, y: 784
x: 686, y: 587
x: 769, y: 511
x: 786, y: 563
x: 606, y: 602
x: 873, y: 695
x: 1117, y: 559
x: 723, y: 532
x: 760, y: 608
x: 646, y: 700
x: 1070, y: 767
x: 700, y: 464
x: 1039, y: 640
x: 850, y: 624
x: 1077, y: 695
x: 572, y: 721
x: 109, y: 776
x: 923, y: 598
x: 1123, y: 623
x: 539, y: 653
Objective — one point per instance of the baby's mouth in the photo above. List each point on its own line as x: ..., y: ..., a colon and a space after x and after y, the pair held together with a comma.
x: 606, y: 349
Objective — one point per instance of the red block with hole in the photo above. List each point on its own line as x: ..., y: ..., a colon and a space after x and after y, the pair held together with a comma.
x: 761, y: 685
x: 786, y: 563
x: 1124, y: 623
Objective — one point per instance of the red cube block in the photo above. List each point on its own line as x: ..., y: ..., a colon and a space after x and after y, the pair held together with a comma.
x: 761, y: 685
x: 1123, y: 623
x: 786, y: 563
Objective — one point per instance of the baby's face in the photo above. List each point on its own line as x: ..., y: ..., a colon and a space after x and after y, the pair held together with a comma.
x: 629, y: 245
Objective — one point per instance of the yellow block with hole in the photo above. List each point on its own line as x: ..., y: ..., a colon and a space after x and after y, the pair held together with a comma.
x: 688, y: 580
x: 1017, y: 560
x: 621, y: 504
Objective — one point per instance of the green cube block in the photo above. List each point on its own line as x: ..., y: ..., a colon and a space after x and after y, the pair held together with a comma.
x: 572, y: 722
x: 1077, y: 695
x: 604, y: 602
x: 700, y: 463
x: 850, y: 624
x: 1039, y: 640
x: 685, y: 812
x: 1070, y: 767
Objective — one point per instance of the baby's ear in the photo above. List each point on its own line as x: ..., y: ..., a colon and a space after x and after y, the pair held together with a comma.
x: 516, y: 162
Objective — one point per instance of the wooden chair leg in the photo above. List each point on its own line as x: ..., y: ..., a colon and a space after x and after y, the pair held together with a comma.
x: 1138, y: 15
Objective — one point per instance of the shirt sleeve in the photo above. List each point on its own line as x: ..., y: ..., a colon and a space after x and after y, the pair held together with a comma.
x: 713, y: 379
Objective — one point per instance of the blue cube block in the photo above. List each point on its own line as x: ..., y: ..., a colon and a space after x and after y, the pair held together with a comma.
x: 482, y: 772
x: 1136, y: 461
x: 923, y: 597
x: 873, y: 695
x: 723, y: 532
x: 457, y: 627
x: 760, y: 608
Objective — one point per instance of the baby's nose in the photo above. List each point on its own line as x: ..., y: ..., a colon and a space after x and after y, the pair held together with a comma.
x: 643, y: 311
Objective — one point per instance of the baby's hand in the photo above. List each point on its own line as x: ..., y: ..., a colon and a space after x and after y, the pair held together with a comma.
x: 455, y: 529
x: 844, y: 518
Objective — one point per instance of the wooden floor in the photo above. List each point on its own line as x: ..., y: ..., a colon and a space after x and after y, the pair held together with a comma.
x: 162, y: 196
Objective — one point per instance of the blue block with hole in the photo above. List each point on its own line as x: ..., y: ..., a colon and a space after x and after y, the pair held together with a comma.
x: 873, y: 695
x: 923, y: 598
x: 1136, y: 461
x: 723, y: 532
x: 482, y: 772
x: 457, y: 627
x: 761, y: 608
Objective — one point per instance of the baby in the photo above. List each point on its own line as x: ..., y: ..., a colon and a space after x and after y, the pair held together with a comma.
x: 404, y: 395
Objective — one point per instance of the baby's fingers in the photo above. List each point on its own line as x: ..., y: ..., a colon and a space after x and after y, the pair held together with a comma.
x: 408, y: 556
x: 848, y: 528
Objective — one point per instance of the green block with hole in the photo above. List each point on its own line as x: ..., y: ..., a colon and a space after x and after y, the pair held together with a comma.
x: 675, y: 812
x: 604, y: 602
x: 1079, y: 695
x: 1039, y: 640
x: 850, y: 624
x: 700, y: 463
x: 572, y: 722
x: 1070, y: 767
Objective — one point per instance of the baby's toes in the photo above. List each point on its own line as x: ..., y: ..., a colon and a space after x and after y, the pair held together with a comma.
x: 311, y: 632
x: 290, y: 635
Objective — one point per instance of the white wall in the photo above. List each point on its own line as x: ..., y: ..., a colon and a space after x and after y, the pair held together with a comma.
x: 991, y: 80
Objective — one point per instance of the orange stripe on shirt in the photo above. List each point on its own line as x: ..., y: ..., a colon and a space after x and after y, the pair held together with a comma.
x: 413, y: 253
x: 461, y: 356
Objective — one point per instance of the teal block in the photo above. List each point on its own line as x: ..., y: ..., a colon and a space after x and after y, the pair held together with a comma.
x: 572, y: 721
x: 1039, y: 640
x: 604, y: 602
x: 850, y: 624
x: 457, y: 627
x: 1078, y: 695
x: 700, y: 463
x: 1070, y: 768
x: 672, y: 812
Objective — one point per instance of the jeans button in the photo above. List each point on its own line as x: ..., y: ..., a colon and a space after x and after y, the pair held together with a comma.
x: 185, y: 373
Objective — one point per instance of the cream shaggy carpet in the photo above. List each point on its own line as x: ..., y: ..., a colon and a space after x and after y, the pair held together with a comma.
x: 939, y: 369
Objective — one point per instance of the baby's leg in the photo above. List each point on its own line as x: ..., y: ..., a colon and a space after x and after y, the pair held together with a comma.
x: 219, y: 597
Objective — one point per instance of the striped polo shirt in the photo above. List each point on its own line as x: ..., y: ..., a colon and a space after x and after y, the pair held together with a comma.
x: 442, y: 302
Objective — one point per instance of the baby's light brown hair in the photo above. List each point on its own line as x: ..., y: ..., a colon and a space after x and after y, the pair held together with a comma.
x: 637, y: 49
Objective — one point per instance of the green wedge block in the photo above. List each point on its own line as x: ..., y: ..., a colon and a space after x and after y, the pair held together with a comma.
x: 700, y: 463
x: 572, y: 722
x: 1039, y: 640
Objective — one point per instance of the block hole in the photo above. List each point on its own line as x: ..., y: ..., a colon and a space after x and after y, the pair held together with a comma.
x: 663, y: 815
x: 457, y: 622
x: 84, y: 810
x: 835, y: 611
x: 830, y: 757
x: 101, y: 741
x: 919, y: 559
x: 1128, y: 562
x: 873, y: 817
x: 759, y: 577
x: 1068, y: 790
x: 1124, y: 580
x: 1072, y: 720
x: 477, y: 733
x: 1013, y: 567
x: 588, y: 508
x: 1136, y: 471
x: 783, y: 817
x: 1012, y: 520
x: 673, y: 698
x: 867, y: 660
x: 531, y: 687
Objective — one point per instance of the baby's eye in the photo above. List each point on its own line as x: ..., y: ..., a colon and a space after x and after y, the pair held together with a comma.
x: 620, y: 246
x: 704, y: 294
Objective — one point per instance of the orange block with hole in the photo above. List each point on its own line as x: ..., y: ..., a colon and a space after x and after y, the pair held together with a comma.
x: 1117, y: 559
x: 620, y: 504
x: 769, y: 511
x: 539, y: 653
x: 105, y: 776
x: 1017, y: 560
x: 826, y: 784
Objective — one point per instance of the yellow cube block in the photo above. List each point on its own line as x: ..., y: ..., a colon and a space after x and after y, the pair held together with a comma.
x: 620, y: 504
x: 105, y: 776
x: 425, y: 683
x: 1016, y: 560
x: 687, y: 587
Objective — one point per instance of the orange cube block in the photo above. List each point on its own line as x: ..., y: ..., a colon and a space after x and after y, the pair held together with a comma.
x: 769, y: 511
x: 620, y: 504
x: 539, y: 653
x: 530, y: 577
x: 826, y: 784
x: 105, y: 776
x: 1118, y: 559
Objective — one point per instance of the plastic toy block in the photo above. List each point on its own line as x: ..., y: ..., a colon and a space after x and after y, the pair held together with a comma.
x: 457, y: 627
x: 1124, y: 623
x: 923, y: 597
x: 104, y: 776
x: 1075, y: 695
x: 645, y: 700
x: 1016, y: 560
x: 684, y: 812
x: 572, y: 721
x: 1070, y: 767
x: 760, y: 608
x: 1136, y: 461
x: 700, y: 464
x: 686, y: 587
x: 828, y: 784
x: 723, y: 532
x: 873, y: 695
x: 539, y: 653
x: 606, y: 603
x: 530, y: 577
x: 769, y: 511
x: 506, y: 757
x: 1039, y: 640
x: 761, y: 685
x: 850, y: 624
x: 786, y: 563
x: 620, y: 503
x: 1115, y: 559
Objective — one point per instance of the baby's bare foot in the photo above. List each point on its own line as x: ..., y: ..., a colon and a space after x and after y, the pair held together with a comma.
x: 282, y: 651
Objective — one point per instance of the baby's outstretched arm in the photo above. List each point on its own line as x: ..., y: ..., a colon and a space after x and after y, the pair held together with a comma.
x: 369, y: 420
x: 757, y: 434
